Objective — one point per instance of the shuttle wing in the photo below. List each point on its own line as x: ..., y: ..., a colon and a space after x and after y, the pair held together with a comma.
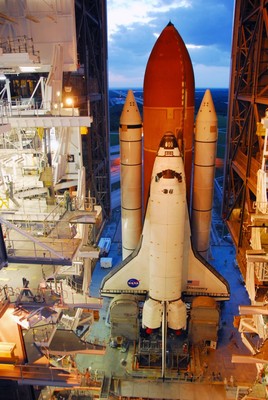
x: 200, y: 277
x: 203, y: 279
x: 132, y: 274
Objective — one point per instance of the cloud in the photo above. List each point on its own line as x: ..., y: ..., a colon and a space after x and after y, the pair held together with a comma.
x: 209, y: 55
x: 134, y: 26
x: 128, y: 13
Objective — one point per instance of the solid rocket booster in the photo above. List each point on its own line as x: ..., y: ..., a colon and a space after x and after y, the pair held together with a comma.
x: 206, y: 136
x: 168, y: 101
x: 130, y: 134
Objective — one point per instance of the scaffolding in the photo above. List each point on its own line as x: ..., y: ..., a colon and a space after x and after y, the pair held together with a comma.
x: 91, y: 35
x: 248, y: 101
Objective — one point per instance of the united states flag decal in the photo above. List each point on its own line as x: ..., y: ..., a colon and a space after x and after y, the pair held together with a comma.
x: 193, y: 283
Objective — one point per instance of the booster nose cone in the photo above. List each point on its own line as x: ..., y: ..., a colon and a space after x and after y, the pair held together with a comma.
x: 206, y: 112
x: 130, y: 114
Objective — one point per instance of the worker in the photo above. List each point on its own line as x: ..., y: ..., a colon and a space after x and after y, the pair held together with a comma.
x: 87, y: 376
x: 67, y: 200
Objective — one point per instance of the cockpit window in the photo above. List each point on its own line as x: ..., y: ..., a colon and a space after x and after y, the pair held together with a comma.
x: 169, y: 142
x: 168, y: 174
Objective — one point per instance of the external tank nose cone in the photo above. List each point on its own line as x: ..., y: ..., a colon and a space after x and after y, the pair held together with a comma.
x: 169, y: 71
x: 170, y: 24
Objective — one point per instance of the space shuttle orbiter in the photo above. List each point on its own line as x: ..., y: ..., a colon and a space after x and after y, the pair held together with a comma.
x: 164, y: 267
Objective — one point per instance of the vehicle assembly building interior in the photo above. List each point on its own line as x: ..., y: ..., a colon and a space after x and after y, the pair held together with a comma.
x: 138, y: 292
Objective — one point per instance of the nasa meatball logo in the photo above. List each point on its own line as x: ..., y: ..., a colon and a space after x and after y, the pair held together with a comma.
x: 133, y: 282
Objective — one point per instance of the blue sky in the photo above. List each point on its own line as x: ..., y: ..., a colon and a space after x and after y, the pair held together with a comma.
x: 205, y: 26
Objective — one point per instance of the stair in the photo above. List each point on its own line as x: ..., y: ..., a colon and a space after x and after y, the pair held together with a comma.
x: 105, y: 389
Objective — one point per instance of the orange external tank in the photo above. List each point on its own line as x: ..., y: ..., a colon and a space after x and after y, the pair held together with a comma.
x: 168, y: 104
